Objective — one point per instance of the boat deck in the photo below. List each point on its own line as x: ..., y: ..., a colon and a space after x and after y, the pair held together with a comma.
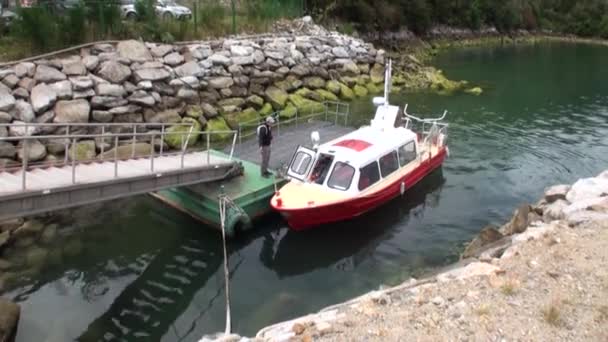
x: 287, y: 139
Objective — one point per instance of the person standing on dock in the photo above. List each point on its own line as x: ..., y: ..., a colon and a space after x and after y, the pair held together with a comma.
x: 264, y: 140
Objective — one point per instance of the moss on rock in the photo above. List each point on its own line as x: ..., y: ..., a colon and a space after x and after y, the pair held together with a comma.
x: 304, y: 105
x: 333, y: 86
x: 360, y: 91
x: 309, y: 94
x: 83, y: 150
x: 175, y: 133
x: 326, y: 95
x: 346, y: 93
x: 289, y: 112
x: 266, y: 110
x: 377, y: 73
x: 218, y: 124
x: 374, y: 88
x: 194, y: 111
x: 277, y: 97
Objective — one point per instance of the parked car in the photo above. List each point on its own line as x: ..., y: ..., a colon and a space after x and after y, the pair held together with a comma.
x: 167, y: 9
x: 6, y: 18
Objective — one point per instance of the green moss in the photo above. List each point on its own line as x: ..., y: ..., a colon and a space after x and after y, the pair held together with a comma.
x: 218, y: 124
x: 374, y: 88
x: 306, y: 106
x: 81, y: 151
x: 309, y: 94
x: 326, y: 95
x: 346, y: 93
x: 194, y: 111
x: 289, y: 112
x: 249, y: 115
x: 333, y: 86
x: 360, y: 91
x: 314, y: 82
x: 277, y: 97
x: 363, y: 80
x: 266, y: 110
x: 177, y: 134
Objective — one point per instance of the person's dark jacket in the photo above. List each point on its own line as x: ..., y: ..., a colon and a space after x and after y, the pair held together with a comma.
x: 264, y: 135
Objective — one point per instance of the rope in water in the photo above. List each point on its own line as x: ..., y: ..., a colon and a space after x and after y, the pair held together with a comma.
x: 223, y: 201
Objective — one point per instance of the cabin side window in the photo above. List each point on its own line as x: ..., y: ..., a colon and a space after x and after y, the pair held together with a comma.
x: 321, y: 169
x: 300, y: 163
x: 389, y: 164
x: 370, y: 174
x: 407, y: 153
x: 341, y: 176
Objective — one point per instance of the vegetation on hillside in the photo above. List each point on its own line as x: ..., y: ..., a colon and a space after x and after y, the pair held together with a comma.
x: 580, y: 17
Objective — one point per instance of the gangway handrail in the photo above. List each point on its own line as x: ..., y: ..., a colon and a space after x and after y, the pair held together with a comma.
x: 71, y: 141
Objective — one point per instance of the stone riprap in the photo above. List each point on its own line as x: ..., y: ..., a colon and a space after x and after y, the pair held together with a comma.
x: 231, y: 81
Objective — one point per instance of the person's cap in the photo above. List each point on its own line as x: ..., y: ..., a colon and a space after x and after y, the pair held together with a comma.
x: 270, y: 120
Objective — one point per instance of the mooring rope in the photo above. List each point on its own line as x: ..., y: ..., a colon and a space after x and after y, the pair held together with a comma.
x: 223, y: 201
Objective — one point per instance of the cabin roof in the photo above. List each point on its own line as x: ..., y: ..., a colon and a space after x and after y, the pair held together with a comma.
x: 367, y: 144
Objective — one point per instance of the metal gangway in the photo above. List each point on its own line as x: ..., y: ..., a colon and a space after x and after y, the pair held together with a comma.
x: 133, y: 158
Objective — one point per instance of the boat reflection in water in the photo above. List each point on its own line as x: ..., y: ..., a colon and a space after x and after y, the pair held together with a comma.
x: 345, y: 244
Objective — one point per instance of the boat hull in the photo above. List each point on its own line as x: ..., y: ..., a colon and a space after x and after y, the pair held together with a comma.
x: 307, y: 218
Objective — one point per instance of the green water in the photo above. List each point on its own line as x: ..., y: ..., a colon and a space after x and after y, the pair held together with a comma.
x: 141, y: 271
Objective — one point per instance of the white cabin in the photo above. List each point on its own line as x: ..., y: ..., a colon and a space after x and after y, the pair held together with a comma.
x: 356, y: 161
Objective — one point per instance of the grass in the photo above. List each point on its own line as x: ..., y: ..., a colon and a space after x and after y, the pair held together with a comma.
x: 552, y: 314
x: 483, y: 310
x: 40, y: 30
x: 509, y: 288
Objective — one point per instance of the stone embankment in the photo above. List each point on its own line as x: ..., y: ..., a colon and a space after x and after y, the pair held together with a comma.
x: 540, y: 277
x: 215, y: 85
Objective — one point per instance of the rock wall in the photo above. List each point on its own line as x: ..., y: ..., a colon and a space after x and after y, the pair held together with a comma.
x: 218, y: 84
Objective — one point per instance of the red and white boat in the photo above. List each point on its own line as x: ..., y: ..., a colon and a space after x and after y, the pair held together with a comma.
x: 362, y: 170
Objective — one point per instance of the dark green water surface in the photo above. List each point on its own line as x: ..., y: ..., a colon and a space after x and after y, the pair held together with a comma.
x: 137, y: 270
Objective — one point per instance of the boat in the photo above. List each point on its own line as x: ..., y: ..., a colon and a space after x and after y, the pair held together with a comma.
x: 360, y: 171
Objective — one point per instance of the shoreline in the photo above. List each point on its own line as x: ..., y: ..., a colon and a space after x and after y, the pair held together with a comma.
x: 515, y: 273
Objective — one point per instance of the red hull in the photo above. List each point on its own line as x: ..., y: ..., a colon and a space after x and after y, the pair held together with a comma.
x: 302, y: 219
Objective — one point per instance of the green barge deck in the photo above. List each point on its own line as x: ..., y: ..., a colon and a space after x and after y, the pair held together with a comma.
x: 249, y: 191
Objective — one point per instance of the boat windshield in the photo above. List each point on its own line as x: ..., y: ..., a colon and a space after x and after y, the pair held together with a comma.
x: 321, y: 169
x: 341, y: 176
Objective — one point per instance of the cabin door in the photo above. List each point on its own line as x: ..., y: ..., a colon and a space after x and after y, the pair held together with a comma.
x: 301, y: 163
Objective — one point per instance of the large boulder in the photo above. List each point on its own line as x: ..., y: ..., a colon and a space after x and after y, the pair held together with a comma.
x: 189, y: 69
x: 134, y: 50
x: 7, y: 101
x: 178, y: 134
x: 377, y: 73
x: 221, y: 82
x: 26, y: 69
x: 220, y: 128
x: 276, y: 96
x: 556, y: 192
x: 152, y: 74
x: 487, y: 236
x: 346, y: 93
x: 333, y: 86
x: 47, y: 74
x: 519, y: 222
x: 128, y: 151
x: 173, y: 59
x: 82, y: 151
x: 23, y: 111
x: 587, y: 188
x: 306, y: 106
x: 209, y: 111
x: 114, y: 72
x: 288, y: 112
x: 107, y: 89
x: 166, y: 116
x: 360, y: 91
x: 7, y: 150
x: 326, y: 95
x: 314, y: 82
x: 36, y: 151
x: 74, y: 68
x: 63, y: 89
x: 42, y: 97
x: 72, y: 111
x: 9, y: 320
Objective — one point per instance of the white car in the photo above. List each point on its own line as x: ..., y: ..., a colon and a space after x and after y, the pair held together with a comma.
x: 167, y: 9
